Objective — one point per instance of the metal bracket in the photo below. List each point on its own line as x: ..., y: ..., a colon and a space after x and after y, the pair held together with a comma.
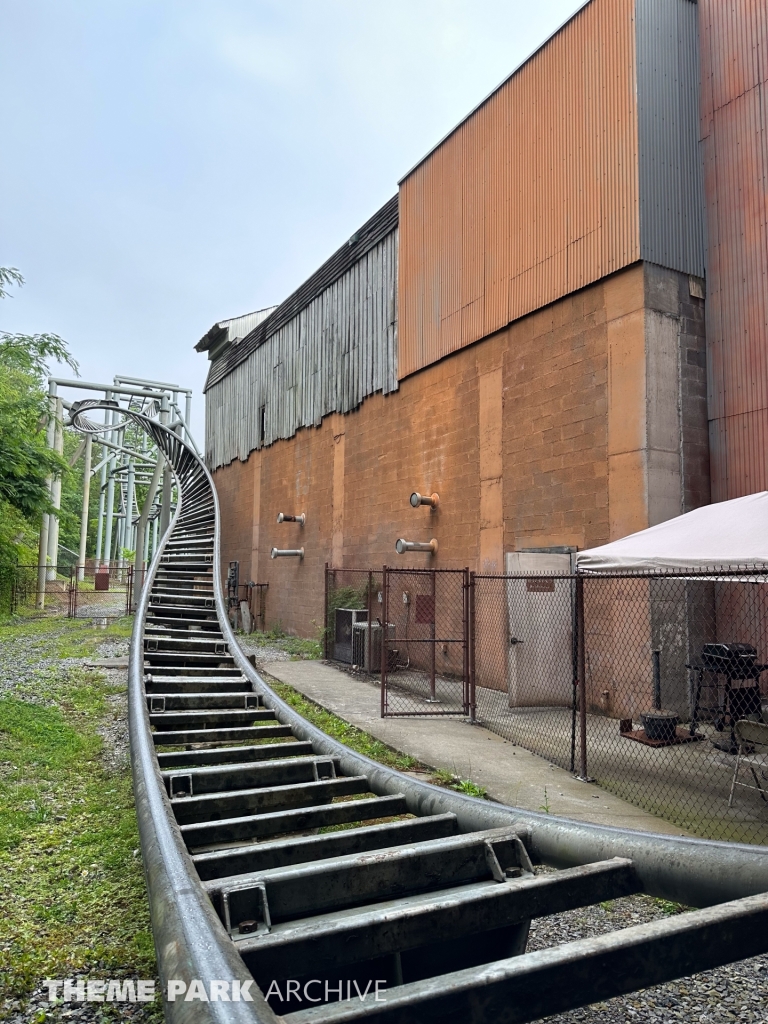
x: 493, y: 863
x: 523, y: 866
x: 522, y: 854
x: 180, y: 785
x: 246, y: 910
x: 156, y: 704
x: 219, y: 647
x: 323, y: 770
x: 151, y: 643
x: 252, y: 700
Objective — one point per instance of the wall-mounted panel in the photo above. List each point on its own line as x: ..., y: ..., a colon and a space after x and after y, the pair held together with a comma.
x: 337, y: 350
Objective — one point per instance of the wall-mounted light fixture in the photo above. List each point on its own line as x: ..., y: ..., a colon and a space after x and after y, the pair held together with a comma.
x: 433, y: 500
x: 416, y: 545
x: 283, y: 518
x: 287, y: 553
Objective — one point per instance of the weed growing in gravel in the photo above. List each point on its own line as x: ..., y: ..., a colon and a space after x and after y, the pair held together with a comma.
x: 297, y: 647
x: 668, y: 908
x: 53, y: 637
x: 450, y: 780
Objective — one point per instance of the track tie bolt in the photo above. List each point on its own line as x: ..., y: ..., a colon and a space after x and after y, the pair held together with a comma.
x: 245, y: 927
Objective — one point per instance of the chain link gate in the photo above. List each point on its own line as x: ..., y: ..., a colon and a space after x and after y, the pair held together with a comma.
x: 425, y: 628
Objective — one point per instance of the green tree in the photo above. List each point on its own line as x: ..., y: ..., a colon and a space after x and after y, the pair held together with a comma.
x: 26, y: 462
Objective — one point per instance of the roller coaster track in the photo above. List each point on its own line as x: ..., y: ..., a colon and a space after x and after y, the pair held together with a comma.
x: 278, y: 859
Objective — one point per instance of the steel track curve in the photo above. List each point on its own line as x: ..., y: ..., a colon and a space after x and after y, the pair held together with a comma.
x: 275, y: 855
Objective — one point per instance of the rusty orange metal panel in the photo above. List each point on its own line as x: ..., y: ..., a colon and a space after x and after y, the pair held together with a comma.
x: 533, y: 196
x: 734, y: 59
x: 734, y: 68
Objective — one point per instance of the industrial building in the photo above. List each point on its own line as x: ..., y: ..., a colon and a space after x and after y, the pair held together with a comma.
x: 558, y: 324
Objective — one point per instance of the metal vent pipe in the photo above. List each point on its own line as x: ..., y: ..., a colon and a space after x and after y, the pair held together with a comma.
x: 287, y: 553
x: 433, y: 500
x: 282, y: 517
x: 416, y: 545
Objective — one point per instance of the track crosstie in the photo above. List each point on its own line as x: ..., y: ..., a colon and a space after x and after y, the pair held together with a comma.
x: 279, y: 861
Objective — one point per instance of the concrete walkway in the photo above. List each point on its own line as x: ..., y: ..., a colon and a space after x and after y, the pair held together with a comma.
x: 510, y: 774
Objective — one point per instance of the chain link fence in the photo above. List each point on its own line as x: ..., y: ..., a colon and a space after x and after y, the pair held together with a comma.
x: 72, y: 591
x: 637, y: 682
x: 405, y: 629
x: 425, y: 659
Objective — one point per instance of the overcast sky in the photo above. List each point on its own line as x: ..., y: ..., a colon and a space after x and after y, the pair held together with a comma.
x: 169, y: 164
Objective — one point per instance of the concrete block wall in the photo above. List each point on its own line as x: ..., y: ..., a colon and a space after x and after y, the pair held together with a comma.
x: 573, y: 426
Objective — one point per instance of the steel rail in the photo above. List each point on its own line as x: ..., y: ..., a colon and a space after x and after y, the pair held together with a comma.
x: 439, y: 899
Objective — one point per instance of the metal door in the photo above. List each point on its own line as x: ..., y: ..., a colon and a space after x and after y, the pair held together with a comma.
x: 540, y: 621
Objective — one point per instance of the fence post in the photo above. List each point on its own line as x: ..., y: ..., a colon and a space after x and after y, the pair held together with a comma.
x: 574, y: 669
x: 432, y: 692
x: 470, y: 644
x: 368, y: 650
x: 325, y: 616
x: 384, y: 638
x: 583, y: 776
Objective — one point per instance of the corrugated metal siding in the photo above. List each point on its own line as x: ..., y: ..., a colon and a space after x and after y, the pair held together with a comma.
x: 339, y: 348
x: 734, y: 65
x: 671, y: 174
x: 533, y: 196
x: 366, y: 238
x: 241, y: 326
x: 583, y: 162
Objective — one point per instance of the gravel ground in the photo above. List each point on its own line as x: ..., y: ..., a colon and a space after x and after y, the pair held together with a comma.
x: 24, y: 657
x: 39, y: 1010
x: 263, y: 652
x: 21, y: 658
x: 738, y: 992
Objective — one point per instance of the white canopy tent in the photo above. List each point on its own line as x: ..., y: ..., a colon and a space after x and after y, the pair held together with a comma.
x: 726, y: 535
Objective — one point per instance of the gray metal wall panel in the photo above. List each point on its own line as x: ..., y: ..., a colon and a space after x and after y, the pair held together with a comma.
x: 339, y: 349
x: 672, y: 213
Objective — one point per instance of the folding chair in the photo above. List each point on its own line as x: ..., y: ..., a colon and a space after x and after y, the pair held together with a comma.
x: 752, y: 738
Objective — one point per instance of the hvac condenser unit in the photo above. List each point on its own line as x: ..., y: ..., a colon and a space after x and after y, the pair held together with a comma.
x: 342, y: 640
x: 366, y: 645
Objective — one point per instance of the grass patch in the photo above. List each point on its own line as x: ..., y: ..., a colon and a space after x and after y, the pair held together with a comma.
x: 74, y: 900
x: 363, y: 743
x: 356, y: 739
